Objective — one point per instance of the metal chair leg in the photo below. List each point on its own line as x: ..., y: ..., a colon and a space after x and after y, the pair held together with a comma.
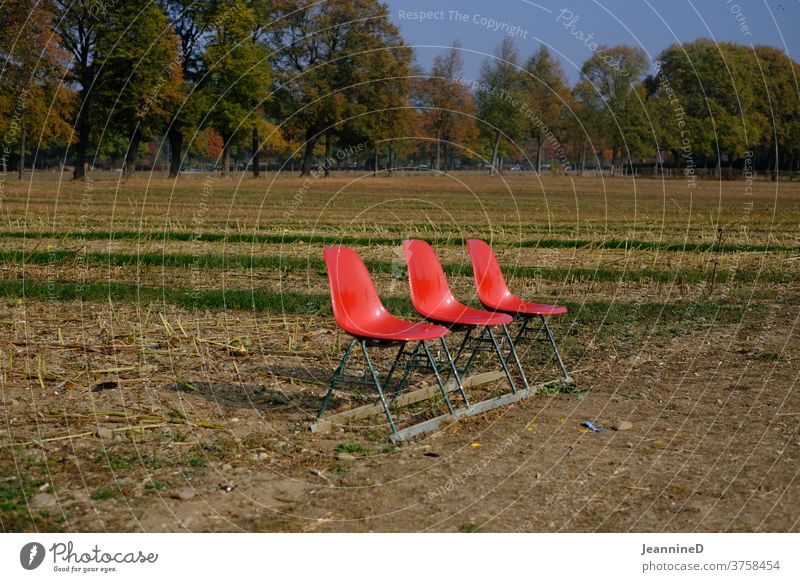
x: 567, y: 377
x: 502, y: 360
x: 454, y: 371
x: 521, y: 331
x: 388, y: 381
x: 513, y: 349
x: 474, y: 353
x: 463, y: 343
x: 378, y: 386
x: 336, y: 375
x: 438, y: 376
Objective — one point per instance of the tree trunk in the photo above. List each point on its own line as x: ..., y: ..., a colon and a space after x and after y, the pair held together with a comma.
x: 256, y: 154
x: 495, y: 153
x: 539, y: 154
x: 583, y: 158
x: 175, y: 137
x: 22, y: 148
x: 130, y: 156
x: 327, y: 165
x: 375, y: 160
x: 84, y: 130
x: 226, y: 154
x: 305, y: 168
x: 438, y: 150
x: 391, y: 158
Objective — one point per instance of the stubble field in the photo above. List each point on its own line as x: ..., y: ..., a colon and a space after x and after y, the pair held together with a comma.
x: 165, y: 345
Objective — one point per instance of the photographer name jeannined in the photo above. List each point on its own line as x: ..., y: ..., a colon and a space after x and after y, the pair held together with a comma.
x: 676, y: 549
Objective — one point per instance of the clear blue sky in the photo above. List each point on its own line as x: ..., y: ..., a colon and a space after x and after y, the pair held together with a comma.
x: 653, y: 25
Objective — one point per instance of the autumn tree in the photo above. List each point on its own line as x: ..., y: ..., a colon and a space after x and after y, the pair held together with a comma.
x: 76, y: 24
x: 449, y: 113
x: 546, y: 90
x: 500, y: 100
x: 191, y: 21
x: 33, y: 100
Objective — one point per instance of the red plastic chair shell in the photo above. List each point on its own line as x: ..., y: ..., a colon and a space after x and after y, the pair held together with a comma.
x: 358, y: 309
x: 431, y: 295
x: 491, y: 285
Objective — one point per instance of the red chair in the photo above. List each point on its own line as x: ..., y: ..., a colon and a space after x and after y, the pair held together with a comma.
x: 358, y: 310
x: 433, y: 299
x: 494, y: 294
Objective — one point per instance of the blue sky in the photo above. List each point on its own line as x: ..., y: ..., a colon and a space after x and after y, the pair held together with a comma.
x: 653, y: 25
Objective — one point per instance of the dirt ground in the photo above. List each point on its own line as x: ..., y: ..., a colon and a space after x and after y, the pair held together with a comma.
x: 132, y: 416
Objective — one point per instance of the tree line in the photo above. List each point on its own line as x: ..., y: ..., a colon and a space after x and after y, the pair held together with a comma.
x: 87, y: 83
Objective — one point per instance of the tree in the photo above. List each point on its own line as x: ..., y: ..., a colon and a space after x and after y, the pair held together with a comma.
x: 500, y: 99
x: 716, y: 85
x: 447, y: 104
x: 547, y: 90
x: 379, y: 107
x: 325, y: 57
x: 33, y: 101
x: 191, y: 22
x: 140, y: 75
x: 612, y: 95
x: 778, y: 101
x: 76, y: 24
x: 239, y: 75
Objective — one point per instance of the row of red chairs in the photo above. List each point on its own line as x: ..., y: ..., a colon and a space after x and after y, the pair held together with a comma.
x: 358, y: 310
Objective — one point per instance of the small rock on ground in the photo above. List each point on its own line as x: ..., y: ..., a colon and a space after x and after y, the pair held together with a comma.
x: 622, y: 425
x: 44, y: 500
x: 104, y: 433
x: 184, y: 494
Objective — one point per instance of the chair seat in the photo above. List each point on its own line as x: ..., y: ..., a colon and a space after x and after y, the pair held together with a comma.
x: 511, y: 304
x: 460, y: 314
x: 386, y: 326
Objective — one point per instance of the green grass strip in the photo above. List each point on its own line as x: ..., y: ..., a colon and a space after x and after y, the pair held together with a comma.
x: 300, y: 265
x: 278, y: 238
x: 293, y: 303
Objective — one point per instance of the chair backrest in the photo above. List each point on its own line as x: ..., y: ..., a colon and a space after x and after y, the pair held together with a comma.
x: 353, y: 295
x: 489, y: 279
x: 429, y: 288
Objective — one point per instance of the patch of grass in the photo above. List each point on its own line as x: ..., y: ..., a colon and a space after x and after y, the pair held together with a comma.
x: 335, y: 238
x: 351, y: 447
x: 185, y: 387
x: 245, y: 262
x: 340, y: 469
x: 196, y: 461
x: 12, y: 497
x: 468, y: 527
x: 103, y: 494
x: 154, y: 462
x: 155, y: 485
x: 560, y: 387
x: 768, y: 356
x: 607, y: 313
x: 114, y: 462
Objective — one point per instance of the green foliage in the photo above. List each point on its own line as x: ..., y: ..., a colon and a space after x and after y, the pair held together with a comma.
x: 501, y: 100
x: 140, y: 73
x: 103, y: 493
x: 612, y: 94
x: 289, y: 75
x: 340, y: 68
